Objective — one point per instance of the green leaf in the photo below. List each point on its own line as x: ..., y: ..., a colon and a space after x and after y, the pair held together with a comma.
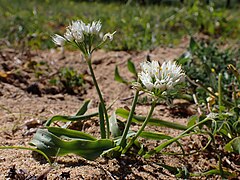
x: 158, y: 136
x: 193, y: 45
x: 224, y: 129
x: 154, y: 135
x: 118, y: 78
x: 233, y: 145
x: 129, y: 134
x: 114, y: 129
x: 234, y: 71
x: 182, y: 60
x: 192, y: 120
x: 170, y: 141
x: 236, y: 126
x: 83, y: 109
x: 131, y: 67
x: 153, y: 121
x: 139, y: 147
x: 69, y: 133
x: 53, y: 145
x: 69, y: 118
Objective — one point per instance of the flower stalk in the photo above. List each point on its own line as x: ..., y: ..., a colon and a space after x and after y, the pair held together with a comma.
x: 142, y: 127
x: 88, y: 59
x: 129, y: 120
x: 157, y: 81
x: 83, y: 37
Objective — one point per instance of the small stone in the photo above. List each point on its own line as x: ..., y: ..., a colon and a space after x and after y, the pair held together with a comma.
x: 32, y: 123
x: 57, y: 96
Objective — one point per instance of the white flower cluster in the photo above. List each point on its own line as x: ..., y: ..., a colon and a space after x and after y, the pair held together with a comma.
x: 164, y: 77
x: 77, y: 31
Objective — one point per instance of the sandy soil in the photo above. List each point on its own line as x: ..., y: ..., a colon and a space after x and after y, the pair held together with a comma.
x: 18, y: 107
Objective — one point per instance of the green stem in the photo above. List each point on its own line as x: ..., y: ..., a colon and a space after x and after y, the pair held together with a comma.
x: 129, y: 120
x: 220, y: 93
x: 88, y: 58
x: 102, y: 123
x: 165, y: 144
x: 141, y: 129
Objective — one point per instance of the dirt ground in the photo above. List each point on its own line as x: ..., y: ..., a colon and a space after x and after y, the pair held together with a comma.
x: 27, y: 101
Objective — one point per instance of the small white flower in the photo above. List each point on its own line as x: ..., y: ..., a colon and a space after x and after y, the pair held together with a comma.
x: 86, y: 28
x: 171, y: 73
x: 154, y: 77
x: 75, y: 32
x: 152, y: 68
x: 68, y: 35
x: 108, y: 36
x: 58, y: 40
x: 95, y: 27
x: 146, y: 79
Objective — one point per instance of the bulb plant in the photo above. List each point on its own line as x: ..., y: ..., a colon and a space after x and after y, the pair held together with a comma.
x: 83, y: 36
x: 86, y: 38
x: 159, y: 82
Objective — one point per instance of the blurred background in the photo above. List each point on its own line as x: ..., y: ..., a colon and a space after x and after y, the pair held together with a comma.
x: 140, y: 24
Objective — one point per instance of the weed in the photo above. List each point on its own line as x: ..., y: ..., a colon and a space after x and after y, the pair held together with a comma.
x: 68, y: 80
x: 204, y: 61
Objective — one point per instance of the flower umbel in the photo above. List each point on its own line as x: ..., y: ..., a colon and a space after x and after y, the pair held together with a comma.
x: 78, y: 29
x: 82, y: 35
x: 160, y: 78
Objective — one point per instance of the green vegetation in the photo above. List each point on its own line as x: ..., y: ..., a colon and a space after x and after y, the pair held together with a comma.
x: 138, y: 27
x: 210, y: 70
x: 203, y: 61
x: 68, y: 80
